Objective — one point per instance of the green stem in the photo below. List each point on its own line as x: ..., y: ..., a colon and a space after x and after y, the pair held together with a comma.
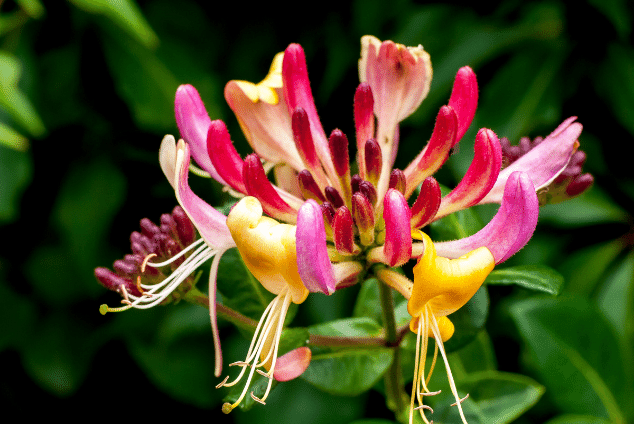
x: 224, y: 312
x: 393, y: 384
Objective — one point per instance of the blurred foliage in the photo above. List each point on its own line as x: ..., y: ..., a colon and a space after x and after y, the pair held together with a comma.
x: 86, y: 94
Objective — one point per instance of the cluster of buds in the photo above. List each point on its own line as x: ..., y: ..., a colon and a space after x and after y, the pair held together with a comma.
x: 135, y: 278
x: 568, y: 184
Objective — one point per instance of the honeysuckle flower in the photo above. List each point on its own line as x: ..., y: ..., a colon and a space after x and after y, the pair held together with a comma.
x: 326, y: 227
x: 215, y: 240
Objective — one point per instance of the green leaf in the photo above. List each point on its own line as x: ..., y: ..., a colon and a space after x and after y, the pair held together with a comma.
x: 591, y: 207
x: 368, y: 303
x: 240, y: 290
x: 13, y: 100
x: 618, y: 12
x: 125, y: 14
x: 585, y: 268
x: 577, y: 419
x: 373, y: 421
x: 179, y: 358
x: 348, y: 372
x: 469, y: 320
x: 348, y: 327
x: 58, y: 358
x: 576, y: 354
x: 501, y: 396
x: 13, y: 139
x: 257, y: 386
x: 458, y: 225
x: 15, y: 174
x: 616, y: 300
x: 144, y: 81
x: 21, y: 313
x: 533, y: 277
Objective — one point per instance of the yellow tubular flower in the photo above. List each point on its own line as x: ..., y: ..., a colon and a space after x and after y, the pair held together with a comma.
x: 441, y: 287
x: 268, y: 250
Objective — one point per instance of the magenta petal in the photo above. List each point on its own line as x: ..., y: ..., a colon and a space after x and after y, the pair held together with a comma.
x: 224, y: 156
x: 313, y: 263
x: 292, y: 364
x: 398, y: 235
x: 435, y: 152
x: 193, y: 123
x: 544, y: 162
x: 479, y: 178
x: 210, y: 223
x: 464, y: 98
x: 509, y: 230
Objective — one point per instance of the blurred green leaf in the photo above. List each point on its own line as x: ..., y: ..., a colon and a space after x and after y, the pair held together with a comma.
x: 21, y: 313
x: 58, y: 354
x: 179, y: 359
x: 125, y: 14
x: 616, y: 299
x: 257, y: 386
x: 12, y: 138
x: 368, y: 303
x: 618, y: 12
x: 583, y: 269
x: 32, y: 7
x: 90, y: 196
x: 615, y: 82
x: 17, y: 105
x: 576, y: 354
x: 501, y: 396
x: 15, y: 175
x: 591, y: 207
x: 348, y: 372
x: 455, y: 226
x: 469, y: 320
x: 348, y: 327
x: 479, y: 355
x: 539, y: 278
x: 240, y: 290
x: 577, y: 419
x: 145, y: 83
x: 373, y: 421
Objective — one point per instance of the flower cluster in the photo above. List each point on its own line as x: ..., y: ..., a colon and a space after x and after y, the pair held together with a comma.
x: 319, y: 228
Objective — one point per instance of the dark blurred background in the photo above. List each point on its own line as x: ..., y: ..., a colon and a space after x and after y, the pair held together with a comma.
x: 87, y: 95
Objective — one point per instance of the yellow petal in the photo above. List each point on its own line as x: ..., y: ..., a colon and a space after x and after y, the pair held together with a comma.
x: 445, y: 326
x: 447, y: 284
x: 267, y: 248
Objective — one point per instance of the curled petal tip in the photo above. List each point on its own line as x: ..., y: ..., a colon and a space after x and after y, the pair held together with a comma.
x: 292, y: 364
x: 313, y: 263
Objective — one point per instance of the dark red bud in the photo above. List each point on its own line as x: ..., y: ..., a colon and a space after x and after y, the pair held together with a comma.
x: 373, y: 160
x: 354, y: 182
x: 426, y: 204
x: 334, y: 197
x: 308, y: 186
x: 184, y: 227
x: 368, y: 191
x: 148, y: 228
x: 363, y: 212
x: 329, y: 211
x: 397, y: 180
x: 338, y: 144
x: 343, y: 232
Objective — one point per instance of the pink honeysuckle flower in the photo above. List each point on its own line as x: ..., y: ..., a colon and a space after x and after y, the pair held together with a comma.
x: 330, y: 227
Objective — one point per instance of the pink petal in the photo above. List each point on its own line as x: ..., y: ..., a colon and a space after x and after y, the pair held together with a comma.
x: 297, y: 93
x: 544, y: 162
x: 464, y: 98
x: 427, y: 203
x: 292, y: 364
x: 313, y: 263
x: 436, y: 152
x: 210, y: 223
x: 266, y: 126
x: 258, y: 186
x: 306, y: 146
x: 193, y: 123
x: 480, y: 177
x: 398, y: 238
x: 509, y: 230
x: 224, y: 156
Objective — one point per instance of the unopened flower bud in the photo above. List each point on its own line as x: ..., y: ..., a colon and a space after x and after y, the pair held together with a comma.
x: 334, y: 197
x: 343, y: 232
x: 363, y: 213
x: 308, y: 186
x: 373, y: 161
x: 397, y: 180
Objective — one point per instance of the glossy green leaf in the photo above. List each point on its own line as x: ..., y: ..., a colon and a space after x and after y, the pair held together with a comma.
x: 577, y: 419
x: 15, y: 174
x: 583, y: 269
x: 501, y: 396
x: 469, y: 320
x: 348, y: 372
x: 125, y: 14
x: 478, y: 355
x: 538, y: 278
x: 591, y: 207
x: 575, y: 352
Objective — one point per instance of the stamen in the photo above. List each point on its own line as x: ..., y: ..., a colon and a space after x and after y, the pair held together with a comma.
x: 178, y: 255
x: 222, y: 383
x: 257, y: 399
x: 431, y: 393
x: 460, y: 401
x: 427, y: 407
x: 452, y: 384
